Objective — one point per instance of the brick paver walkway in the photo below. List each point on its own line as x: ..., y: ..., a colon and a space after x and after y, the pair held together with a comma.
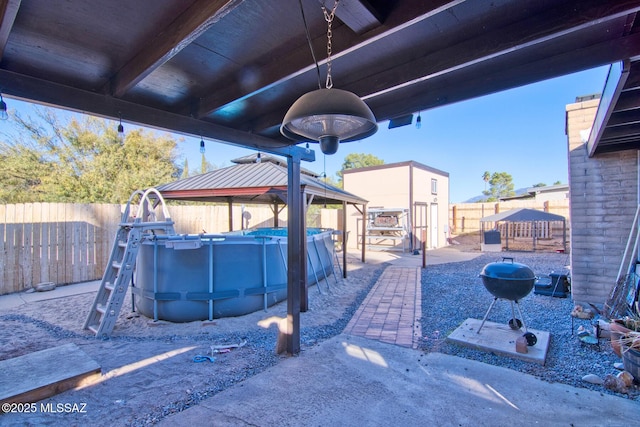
x: 392, y: 310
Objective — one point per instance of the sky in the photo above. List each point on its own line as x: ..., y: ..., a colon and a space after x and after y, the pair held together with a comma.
x: 520, y: 131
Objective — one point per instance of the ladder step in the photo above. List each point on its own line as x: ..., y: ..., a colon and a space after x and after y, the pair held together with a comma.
x: 107, y: 302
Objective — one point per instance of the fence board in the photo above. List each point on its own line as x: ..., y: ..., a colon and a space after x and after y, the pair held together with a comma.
x: 45, y: 243
x: 36, y: 245
x: 79, y: 237
x: 64, y: 248
x: 14, y: 242
x: 27, y: 246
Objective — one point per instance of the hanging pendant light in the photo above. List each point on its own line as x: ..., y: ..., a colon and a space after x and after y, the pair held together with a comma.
x: 202, y: 149
x: 418, y: 122
x: 3, y: 109
x: 329, y: 116
x: 121, y: 131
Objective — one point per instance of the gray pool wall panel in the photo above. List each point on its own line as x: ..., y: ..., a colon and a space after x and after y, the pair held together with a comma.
x: 200, y: 277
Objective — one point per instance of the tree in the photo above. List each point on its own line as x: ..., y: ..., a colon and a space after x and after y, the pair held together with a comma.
x: 358, y: 160
x: 500, y: 185
x: 206, y: 166
x: 540, y: 184
x: 185, y: 170
x: 486, y: 176
x: 80, y: 160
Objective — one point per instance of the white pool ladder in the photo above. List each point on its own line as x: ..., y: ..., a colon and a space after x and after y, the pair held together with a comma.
x: 119, y: 270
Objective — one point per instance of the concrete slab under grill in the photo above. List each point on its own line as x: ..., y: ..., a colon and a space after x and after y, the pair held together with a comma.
x: 500, y: 339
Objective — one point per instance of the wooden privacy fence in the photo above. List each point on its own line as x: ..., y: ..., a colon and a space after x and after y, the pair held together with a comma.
x: 70, y: 243
x: 54, y: 242
x: 465, y: 217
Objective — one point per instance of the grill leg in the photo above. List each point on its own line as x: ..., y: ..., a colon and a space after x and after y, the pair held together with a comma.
x: 524, y: 325
x: 486, y: 315
x: 513, y: 313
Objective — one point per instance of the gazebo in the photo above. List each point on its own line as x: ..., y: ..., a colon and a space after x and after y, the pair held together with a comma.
x: 535, y: 218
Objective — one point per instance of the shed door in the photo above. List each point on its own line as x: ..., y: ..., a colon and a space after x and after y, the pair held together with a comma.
x: 434, y: 225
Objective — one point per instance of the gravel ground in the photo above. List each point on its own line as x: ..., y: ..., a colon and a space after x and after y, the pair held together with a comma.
x: 453, y: 292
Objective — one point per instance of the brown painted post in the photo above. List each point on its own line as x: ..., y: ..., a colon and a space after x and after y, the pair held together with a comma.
x: 344, y: 239
x: 295, y: 252
x: 364, y: 229
x: 276, y: 220
x: 424, y: 248
x: 454, y: 225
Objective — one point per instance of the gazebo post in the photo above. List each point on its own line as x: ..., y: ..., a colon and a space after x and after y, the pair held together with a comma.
x: 276, y: 220
x: 364, y: 230
x: 344, y: 239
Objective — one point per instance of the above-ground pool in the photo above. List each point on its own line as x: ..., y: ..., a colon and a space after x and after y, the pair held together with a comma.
x: 183, y: 278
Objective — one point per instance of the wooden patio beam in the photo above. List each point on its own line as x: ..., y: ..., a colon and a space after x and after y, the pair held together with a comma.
x: 187, y: 27
x: 8, y: 12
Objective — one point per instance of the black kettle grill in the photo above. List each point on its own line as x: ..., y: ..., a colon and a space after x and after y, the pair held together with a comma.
x: 511, y: 281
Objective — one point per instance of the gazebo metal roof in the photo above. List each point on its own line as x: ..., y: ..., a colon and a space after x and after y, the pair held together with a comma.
x: 263, y: 182
x: 526, y: 215
x: 523, y: 215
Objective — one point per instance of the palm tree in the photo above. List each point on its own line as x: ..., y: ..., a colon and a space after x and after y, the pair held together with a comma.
x: 486, y: 176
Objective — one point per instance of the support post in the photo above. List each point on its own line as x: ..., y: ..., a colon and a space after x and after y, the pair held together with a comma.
x: 424, y: 248
x: 344, y: 240
x: 295, y: 254
x: 364, y: 230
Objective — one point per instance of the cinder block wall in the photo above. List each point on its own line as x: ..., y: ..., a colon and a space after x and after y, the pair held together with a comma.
x: 603, y: 194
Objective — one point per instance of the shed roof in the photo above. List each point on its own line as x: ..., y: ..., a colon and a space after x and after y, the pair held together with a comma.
x: 263, y: 182
x: 523, y: 215
x: 412, y: 163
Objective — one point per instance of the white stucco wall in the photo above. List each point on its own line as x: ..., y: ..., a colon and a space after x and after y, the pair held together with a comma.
x: 401, y: 185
